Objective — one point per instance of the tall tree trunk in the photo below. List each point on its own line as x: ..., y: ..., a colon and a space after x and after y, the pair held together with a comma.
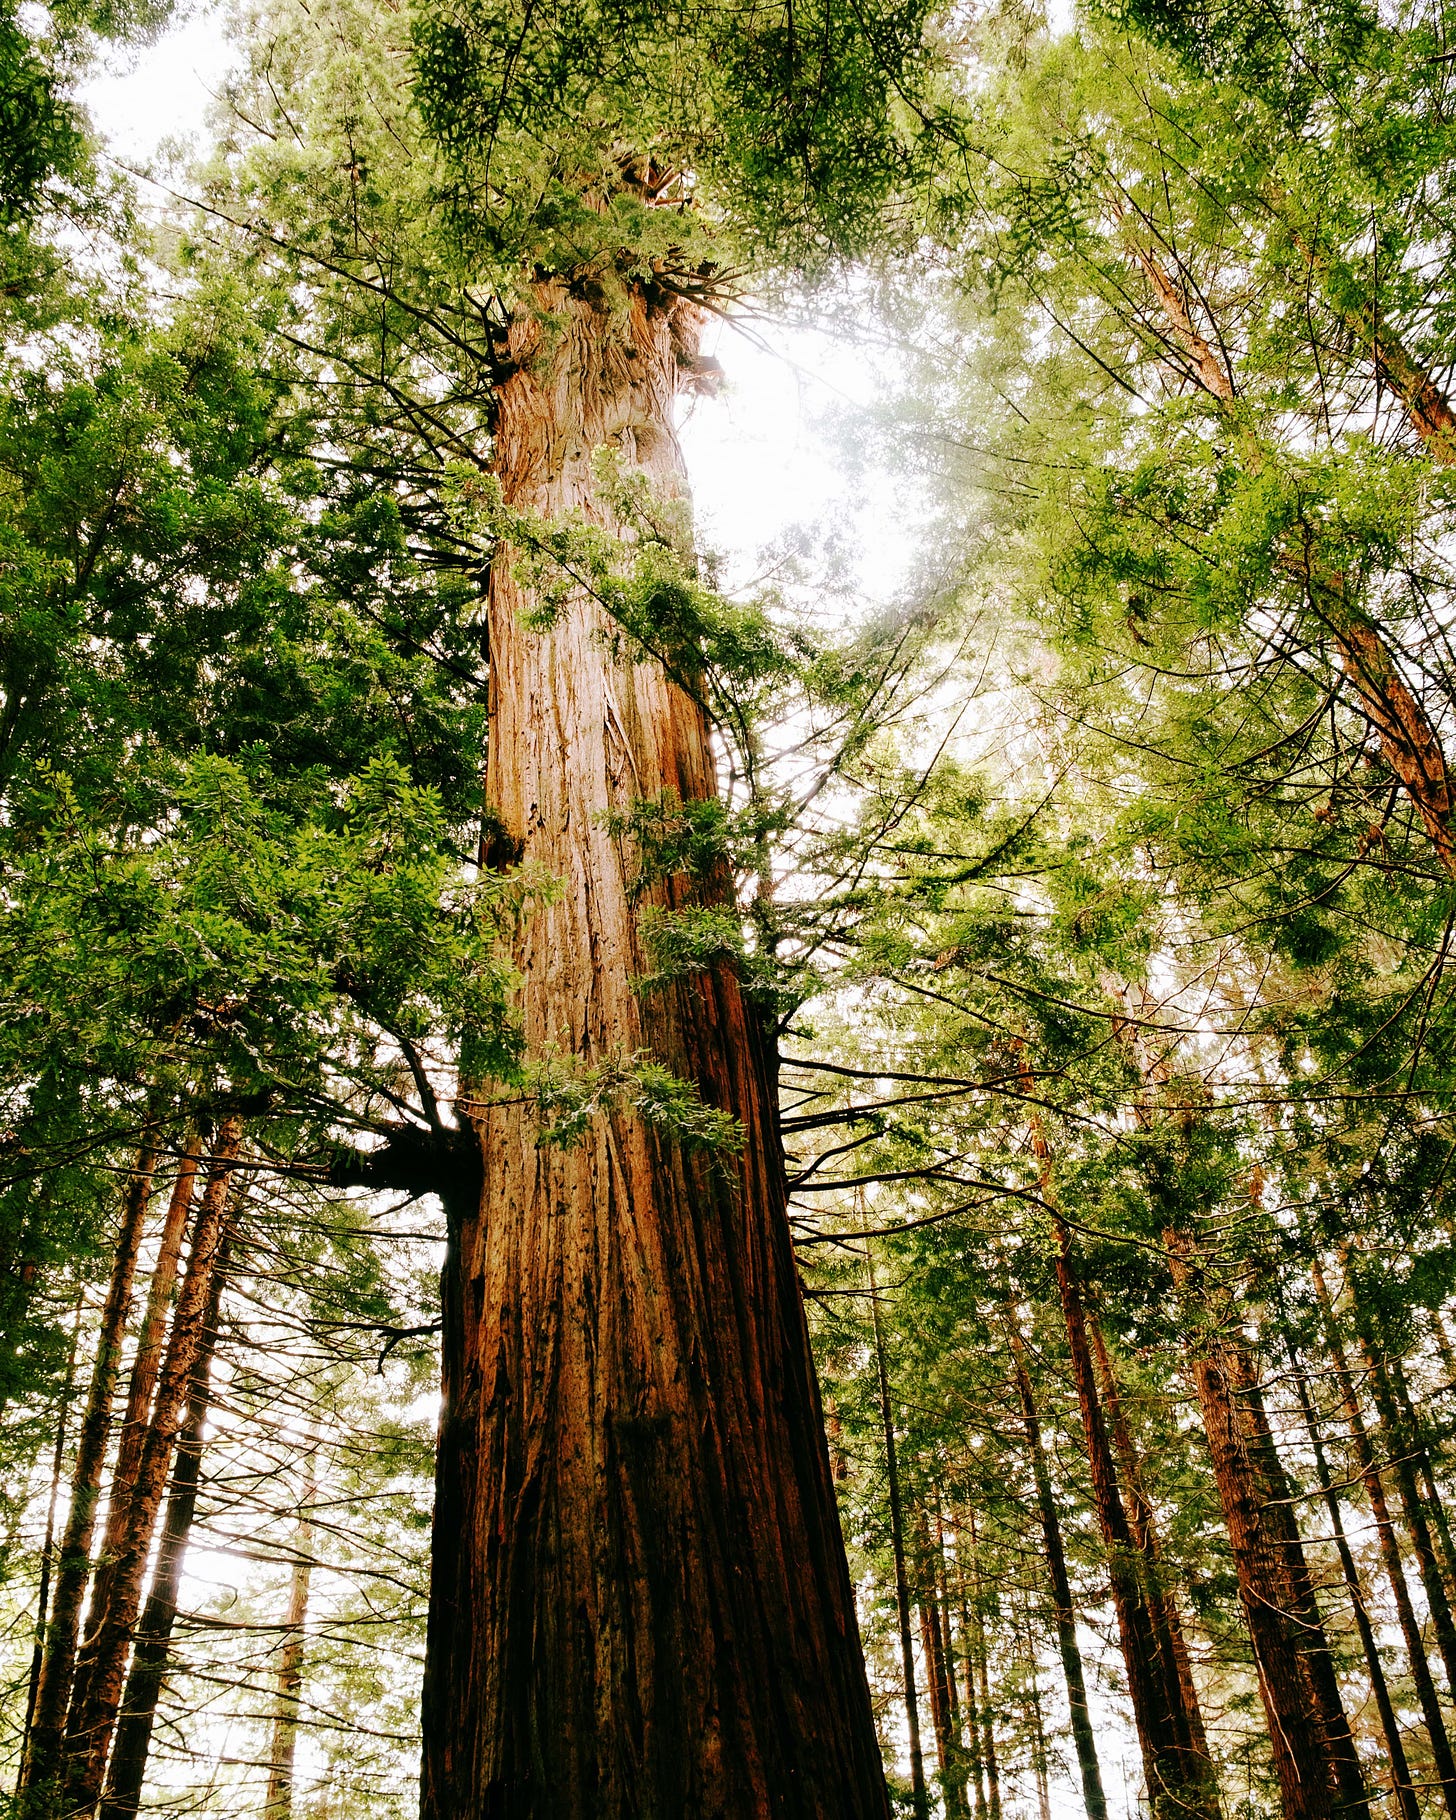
x: 1083, y: 1737
x: 933, y: 1648
x: 640, y: 1601
x: 1414, y: 1427
x: 974, y: 1716
x: 1340, y: 1742
x: 957, y: 1799
x: 90, y: 1724
x: 1167, y: 1622
x: 1400, y: 1776
x: 1301, y: 1754
x: 47, y: 1554
x: 1179, y: 1782
x: 1039, y: 1737
x: 1306, y: 1735
x: 1400, y: 1450
x: 920, y: 1798
x: 981, y: 1670
x: 138, y: 1403
x: 939, y: 1665
x: 127, y: 1769
x: 58, y: 1664
x: 1415, y: 1645
x: 284, y: 1743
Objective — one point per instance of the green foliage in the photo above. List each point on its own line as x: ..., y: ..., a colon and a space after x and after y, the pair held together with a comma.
x: 614, y: 140
x: 569, y: 1098
x: 683, y: 942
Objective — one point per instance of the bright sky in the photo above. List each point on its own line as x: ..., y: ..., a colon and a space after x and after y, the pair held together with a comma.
x: 760, y: 468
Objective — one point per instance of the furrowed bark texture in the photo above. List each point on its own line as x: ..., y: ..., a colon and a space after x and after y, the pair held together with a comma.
x: 127, y: 1769
x: 640, y: 1603
x: 58, y: 1664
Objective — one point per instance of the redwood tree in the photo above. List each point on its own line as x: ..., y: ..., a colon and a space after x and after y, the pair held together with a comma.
x: 640, y: 1602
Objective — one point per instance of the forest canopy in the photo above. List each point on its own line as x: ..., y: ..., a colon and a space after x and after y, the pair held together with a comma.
x: 630, y: 1191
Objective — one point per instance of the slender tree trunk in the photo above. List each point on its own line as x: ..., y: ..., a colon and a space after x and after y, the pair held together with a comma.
x: 974, y: 1716
x: 1415, y: 1645
x: 640, y: 1601
x: 1400, y: 1449
x: 58, y: 1664
x: 957, y: 1793
x: 1175, y: 1776
x: 932, y: 1646
x: 897, y: 1543
x: 1414, y: 1428
x: 1167, y: 1622
x: 43, y: 1591
x: 1439, y: 1333
x: 939, y: 1666
x: 138, y: 1404
x: 982, y: 1673
x: 1319, y: 1661
x: 90, y: 1725
x: 1083, y: 1737
x: 279, y: 1802
x: 1400, y: 1776
x: 1177, y: 1779
x: 1040, y: 1749
x: 1039, y: 1737
x: 127, y: 1769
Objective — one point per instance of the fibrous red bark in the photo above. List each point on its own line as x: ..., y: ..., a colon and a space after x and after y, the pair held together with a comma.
x: 58, y: 1663
x: 91, y: 1721
x: 127, y: 1769
x: 640, y: 1602
x: 1309, y: 1734
x: 142, y: 1384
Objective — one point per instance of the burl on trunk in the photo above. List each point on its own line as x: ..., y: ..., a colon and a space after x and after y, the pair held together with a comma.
x: 640, y: 1603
